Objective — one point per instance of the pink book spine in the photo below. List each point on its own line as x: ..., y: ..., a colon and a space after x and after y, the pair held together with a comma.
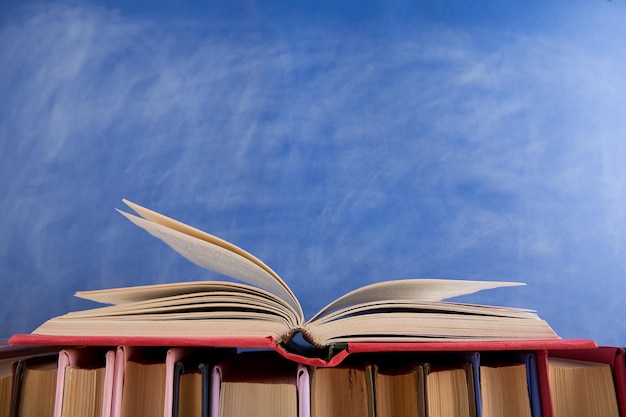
x: 172, y: 357
x: 304, y: 391
x: 65, y: 360
x: 109, y: 376
x: 216, y: 382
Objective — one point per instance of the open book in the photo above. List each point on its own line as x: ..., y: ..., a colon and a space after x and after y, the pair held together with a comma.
x: 262, y: 305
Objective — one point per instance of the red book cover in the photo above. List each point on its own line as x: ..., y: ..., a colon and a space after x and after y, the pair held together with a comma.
x: 613, y: 356
x: 544, y: 383
x: 333, y: 359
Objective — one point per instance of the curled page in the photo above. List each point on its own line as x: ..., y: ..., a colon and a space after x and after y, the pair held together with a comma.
x: 412, y: 289
x: 218, y: 258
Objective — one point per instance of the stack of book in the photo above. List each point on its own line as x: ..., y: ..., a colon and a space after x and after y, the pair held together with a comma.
x: 219, y: 348
x: 558, y: 378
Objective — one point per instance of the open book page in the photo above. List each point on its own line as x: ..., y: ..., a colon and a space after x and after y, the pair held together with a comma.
x: 391, y: 306
x: 425, y: 320
x: 194, y: 300
x: 426, y: 326
x: 219, y: 258
x: 154, y: 291
x: 158, y: 218
x: 411, y: 310
x: 411, y: 289
x: 171, y: 328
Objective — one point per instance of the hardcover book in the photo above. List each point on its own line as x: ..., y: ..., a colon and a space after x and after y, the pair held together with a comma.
x: 261, y: 305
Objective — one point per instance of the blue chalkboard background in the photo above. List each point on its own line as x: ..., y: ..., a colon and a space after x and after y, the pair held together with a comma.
x: 342, y: 142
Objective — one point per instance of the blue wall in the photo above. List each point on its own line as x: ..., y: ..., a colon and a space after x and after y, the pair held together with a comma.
x: 341, y: 142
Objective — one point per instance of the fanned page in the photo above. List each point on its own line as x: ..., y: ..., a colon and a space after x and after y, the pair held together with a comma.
x: 193, y: 300
x: 411, y: 290
x: 413, y: 310
x: 212, y: 253
x: 135, y: 294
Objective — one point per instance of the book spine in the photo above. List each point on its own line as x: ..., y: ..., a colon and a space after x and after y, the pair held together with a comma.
x: 535, y: 360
